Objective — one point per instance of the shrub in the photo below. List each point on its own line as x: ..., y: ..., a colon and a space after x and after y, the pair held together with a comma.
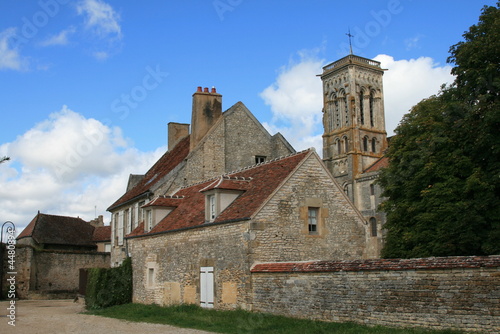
x: 109, y: 286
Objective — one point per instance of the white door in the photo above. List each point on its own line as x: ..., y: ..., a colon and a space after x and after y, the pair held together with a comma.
x: 207, y: 287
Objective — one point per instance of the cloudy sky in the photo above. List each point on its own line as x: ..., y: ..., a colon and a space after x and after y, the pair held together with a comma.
x: 88, y: 86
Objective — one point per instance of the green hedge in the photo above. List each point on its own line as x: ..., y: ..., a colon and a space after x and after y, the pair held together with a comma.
x: 109, y: 286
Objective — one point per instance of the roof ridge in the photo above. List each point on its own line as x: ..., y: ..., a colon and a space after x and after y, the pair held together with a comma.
x: 248, y: 167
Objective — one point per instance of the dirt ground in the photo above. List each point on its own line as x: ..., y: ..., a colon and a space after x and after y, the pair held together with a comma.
x: 62, y: 316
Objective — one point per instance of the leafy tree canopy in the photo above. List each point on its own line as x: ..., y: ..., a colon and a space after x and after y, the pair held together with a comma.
x: 443, y: 181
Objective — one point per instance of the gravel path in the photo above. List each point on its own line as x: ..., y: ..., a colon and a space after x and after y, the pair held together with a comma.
x: 62, y: 316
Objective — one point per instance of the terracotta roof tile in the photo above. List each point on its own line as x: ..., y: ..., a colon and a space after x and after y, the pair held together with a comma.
x: 102, y: 233
x: 161, y: 168
x: 257, y: 182
x: 377, y: 165
x: 60, y: 230
x: 164, y: 201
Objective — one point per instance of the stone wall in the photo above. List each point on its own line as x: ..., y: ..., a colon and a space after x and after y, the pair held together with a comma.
x: 53, y: 273
x: 455, y: 293
x: 175, y: 259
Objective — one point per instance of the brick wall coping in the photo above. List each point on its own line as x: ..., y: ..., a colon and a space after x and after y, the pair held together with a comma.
x: 379, y: 264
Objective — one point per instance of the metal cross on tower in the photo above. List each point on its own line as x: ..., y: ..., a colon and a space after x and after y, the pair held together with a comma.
x: 350, y: 36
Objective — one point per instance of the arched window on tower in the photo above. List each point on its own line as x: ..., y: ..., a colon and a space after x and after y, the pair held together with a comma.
x: 374, y: 145
x: 337, y: 113
x: 361, y: 109
x: 372, y: 107
x: 346, y: 109
x: 373, y: 227
x: 346, y: 145
x: 330, y: 116
x: 365, y: 144
x: 339, y: 147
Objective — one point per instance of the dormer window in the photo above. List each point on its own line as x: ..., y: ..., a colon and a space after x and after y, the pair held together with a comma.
x: 221, y: 193
x: 158, y: 209
x: 212, y: 211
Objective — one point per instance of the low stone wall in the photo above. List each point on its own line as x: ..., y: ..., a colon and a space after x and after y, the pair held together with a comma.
x: 49, y: 274
x: 442, y: 293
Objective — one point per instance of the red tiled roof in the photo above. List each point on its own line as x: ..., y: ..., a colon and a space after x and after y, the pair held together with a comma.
x: 59, y: 230
x: 257, y: 182
x: 161, y: 168
x: 379, y: 264
x: 166, y: 201
x: 102, y: 233
x: 377, y: 165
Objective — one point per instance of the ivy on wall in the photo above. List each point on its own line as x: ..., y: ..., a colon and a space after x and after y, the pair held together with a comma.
x: 109, y: 286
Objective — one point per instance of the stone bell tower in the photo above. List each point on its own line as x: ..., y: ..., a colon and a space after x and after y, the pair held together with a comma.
x: 353, y: 117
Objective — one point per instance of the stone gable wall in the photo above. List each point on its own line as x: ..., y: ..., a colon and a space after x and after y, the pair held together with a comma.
x: 281, y: 232
x: 441, y: 293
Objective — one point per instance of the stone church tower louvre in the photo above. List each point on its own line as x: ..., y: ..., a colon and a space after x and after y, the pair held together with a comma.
x: 355, y: 139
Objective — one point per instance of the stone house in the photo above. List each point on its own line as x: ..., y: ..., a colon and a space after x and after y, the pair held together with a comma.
x: 206, y: 236
x: 218, y: 142
x: 52, y: 249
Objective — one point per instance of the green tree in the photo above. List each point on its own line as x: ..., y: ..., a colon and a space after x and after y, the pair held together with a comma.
x: 443, y: 181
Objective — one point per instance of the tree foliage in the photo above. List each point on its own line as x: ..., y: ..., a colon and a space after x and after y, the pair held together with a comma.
x: 443, y: 181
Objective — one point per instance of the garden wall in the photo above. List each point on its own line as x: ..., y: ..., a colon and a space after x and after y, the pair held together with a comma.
x: 453, y: 292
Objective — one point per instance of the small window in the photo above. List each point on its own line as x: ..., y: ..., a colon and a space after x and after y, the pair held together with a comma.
x: 212, y: 207
x: 373, y: 225
x: 151, y: 277
x: 149, y: 217
x: 374, y: 145
x: 313, y: 220
x: 346, y: 145
x: 259, y: 159
x: 372, y: 190
x: 339, y: 147
x: 141, y: 211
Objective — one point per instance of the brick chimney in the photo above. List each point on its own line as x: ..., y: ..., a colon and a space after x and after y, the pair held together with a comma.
x: 207, y: 109
x: 176, y: 132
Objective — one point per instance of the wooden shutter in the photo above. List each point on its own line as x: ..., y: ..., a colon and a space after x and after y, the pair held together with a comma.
x: 207, y: 287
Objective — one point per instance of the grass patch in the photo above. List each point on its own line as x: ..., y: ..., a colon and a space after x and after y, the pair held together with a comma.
x: 239, y: 321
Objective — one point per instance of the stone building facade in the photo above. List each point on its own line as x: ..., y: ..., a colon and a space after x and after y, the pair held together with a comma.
x: 355, y: 139
x: 219, y: 142
x: 201, y: 252
x: 52, y: 249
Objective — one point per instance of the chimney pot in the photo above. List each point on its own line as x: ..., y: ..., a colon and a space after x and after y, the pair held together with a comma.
x: 199, y: 89
x: 214, y: 90
x: 205, y: 90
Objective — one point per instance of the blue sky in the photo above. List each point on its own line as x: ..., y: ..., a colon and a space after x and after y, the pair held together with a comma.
x: 88, y: 86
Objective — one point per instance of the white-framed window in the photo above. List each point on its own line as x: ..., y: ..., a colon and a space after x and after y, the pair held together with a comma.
x: 149, y: 219
x: 126, y: 221
x: 141, y: 211
x: 259, y: 159
x: 312, y: 217
x: 212, y: 207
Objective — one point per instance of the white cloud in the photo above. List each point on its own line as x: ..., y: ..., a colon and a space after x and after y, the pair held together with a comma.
x: 295, y: 98
x: 59, y: 39
x: 296, y: 101
x: 100, y: 18
x: 9, y: 56
x: 407, y: 82
x: 67, y: 165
